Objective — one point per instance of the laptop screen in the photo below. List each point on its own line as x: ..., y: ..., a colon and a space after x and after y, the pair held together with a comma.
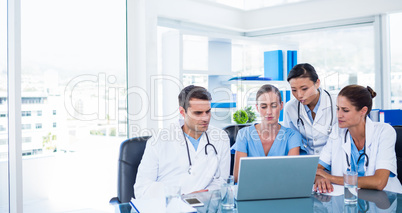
x: 276, y: 177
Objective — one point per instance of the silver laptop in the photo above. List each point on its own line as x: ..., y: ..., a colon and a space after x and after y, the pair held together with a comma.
x: 276, y: 177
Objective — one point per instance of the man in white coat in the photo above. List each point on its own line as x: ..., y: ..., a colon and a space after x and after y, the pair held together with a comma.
x: 190, y: 155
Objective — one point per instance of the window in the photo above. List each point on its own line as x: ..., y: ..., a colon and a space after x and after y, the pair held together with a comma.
x: 26, y: 113
x: 72, y: 66
x: 341, y: 56
x: 3, y: 142
x: 199, y: 80
x: 396, y: 60
x: 25, y: 126
x: 38, y: 126
x: 2, y: 128
x: 4, y: 170
x: 29, y: 100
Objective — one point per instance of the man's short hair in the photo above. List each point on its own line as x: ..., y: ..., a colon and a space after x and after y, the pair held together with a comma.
x: 191, y: 92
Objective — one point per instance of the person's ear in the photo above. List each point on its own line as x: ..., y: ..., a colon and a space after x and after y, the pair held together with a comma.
x: 364, y: 110
x: 281, y: 105
x: 182, y: 111
x: 256, y: 107
x: 317, y: 83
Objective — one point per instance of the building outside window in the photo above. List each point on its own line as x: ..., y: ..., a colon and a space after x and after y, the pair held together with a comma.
x: 38, y: 126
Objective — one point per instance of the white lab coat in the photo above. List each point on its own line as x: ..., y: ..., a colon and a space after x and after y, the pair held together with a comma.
x: 316, y: 133
x: 380, y: 148
x: 165, y: 160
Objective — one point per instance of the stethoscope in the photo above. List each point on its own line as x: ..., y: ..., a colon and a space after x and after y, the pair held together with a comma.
x: 206, y: 152
x: 300, y: 121
x: 360, y: 156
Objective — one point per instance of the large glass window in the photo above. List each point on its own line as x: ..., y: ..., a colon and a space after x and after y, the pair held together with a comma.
x: 3, y: 110
x: 341, y: 56
x: 73, y: 82
x: 396, y: 60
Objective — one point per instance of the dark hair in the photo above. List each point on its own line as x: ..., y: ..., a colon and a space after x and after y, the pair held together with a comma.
x: 303, y: 71
x: 268, y: 88
x: 191, y: 92
x: 359, y: 96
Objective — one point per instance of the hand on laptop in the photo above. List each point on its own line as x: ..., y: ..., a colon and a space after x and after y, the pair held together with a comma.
x: 323, y: 185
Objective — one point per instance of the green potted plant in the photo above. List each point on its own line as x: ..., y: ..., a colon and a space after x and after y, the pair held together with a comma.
x: 245, y: 115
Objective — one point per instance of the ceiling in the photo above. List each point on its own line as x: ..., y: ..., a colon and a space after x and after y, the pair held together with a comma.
x: 247, y: 5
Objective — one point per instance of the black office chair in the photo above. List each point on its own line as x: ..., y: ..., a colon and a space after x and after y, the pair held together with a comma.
x: 398, y: 151
x: 232, y: 133
x: 131, y: 151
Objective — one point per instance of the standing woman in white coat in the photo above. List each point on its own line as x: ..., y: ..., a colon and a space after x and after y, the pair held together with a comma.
x: 312, y: 112
x: 358, y: 142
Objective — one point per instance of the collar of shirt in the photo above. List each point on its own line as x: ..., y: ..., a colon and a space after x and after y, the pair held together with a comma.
x: 193, y: 141
x: 310, y: 116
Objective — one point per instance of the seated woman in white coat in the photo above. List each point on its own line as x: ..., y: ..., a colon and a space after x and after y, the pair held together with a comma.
x: 358, y: 142
x: 267, y: 138
x: 191, y: 155
x: 312, y: 112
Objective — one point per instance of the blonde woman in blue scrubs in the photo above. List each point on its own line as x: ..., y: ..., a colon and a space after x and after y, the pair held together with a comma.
x: 267, y: 138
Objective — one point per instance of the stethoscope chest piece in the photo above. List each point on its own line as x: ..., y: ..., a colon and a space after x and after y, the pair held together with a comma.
x: 329, y: 130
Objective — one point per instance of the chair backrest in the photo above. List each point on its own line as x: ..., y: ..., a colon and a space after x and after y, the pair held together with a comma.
x: 398, y: 151
x: 131, y: 151
x: 232, y: 133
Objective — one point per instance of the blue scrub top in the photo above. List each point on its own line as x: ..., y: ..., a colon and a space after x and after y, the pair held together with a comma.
x: 249, y: 141
x: 194, y: 141
x: 355, y: 156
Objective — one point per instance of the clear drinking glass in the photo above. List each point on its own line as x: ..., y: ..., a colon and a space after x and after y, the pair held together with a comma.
x: 171, y: 193
x: 227, y: 193
x: 350, y: 186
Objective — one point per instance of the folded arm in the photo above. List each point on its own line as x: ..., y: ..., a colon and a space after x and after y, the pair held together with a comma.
x: 323, y: 180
